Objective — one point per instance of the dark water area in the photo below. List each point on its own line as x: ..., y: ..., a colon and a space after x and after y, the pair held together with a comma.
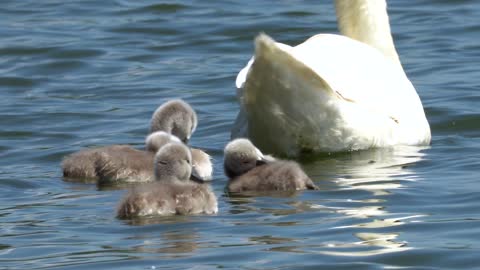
x: 77, y: 74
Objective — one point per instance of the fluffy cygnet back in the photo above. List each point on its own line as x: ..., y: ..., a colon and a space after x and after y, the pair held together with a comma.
x: 81, y: 165
x: 175, y: 117
x: 138, y: 166
x: 173, y: 192
x: 116, y: 162
x: 249, y: 170
x: 133, y: 165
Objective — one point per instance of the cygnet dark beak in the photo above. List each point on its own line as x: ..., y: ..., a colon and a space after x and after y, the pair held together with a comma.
x: 261, y: 162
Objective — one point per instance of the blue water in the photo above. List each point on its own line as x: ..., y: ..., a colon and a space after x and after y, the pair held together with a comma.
x: 77, y: 74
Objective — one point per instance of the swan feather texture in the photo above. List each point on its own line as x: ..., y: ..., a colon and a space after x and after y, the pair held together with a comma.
x: 330, y: 93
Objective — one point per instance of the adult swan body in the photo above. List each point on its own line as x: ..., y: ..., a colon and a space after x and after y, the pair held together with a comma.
x: 332, y: 92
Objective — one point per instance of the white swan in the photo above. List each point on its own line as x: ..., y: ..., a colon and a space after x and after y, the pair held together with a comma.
x: 332, y: 92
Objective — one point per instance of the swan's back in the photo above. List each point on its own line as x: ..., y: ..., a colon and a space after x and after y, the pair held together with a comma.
x: 330, y: 93
x: 361, y: 74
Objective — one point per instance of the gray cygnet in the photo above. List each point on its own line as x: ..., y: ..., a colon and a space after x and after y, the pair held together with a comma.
x: 249, y: 170
x: 173, y: 192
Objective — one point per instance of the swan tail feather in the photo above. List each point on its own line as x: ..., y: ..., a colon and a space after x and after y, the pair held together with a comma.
x: 276, y: 85
x: 280, y: 54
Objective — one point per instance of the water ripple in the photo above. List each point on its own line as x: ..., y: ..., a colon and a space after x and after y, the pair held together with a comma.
x: 82, y: 74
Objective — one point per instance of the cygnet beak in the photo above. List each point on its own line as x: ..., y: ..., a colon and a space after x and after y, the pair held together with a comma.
x: 261, y: 159
x: 261, y: 162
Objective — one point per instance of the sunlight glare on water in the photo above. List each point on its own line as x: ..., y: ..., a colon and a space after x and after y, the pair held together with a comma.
x: 81, y: 74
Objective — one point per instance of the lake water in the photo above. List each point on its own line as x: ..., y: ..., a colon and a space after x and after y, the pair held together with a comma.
x: 77, y: 74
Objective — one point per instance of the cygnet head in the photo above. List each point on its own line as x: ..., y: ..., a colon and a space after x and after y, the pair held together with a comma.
x: 157, y: 139
x: 240, y: 156
x: 175, y: 117
x: 173, y: 162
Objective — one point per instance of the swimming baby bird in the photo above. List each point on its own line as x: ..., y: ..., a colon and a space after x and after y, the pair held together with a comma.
x: 175, y: 117
x: 249, y: 170
x: 124, y: 163
x: 173, y: 192
x: 116, y: 162
x: 201, y: 162
x: 202, y: 167
x: 179, y: 118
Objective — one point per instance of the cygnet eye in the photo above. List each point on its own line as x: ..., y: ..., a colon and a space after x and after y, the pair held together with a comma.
x: 162, y: 162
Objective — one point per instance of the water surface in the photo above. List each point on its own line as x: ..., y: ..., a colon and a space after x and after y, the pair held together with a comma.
x: 77, y: 74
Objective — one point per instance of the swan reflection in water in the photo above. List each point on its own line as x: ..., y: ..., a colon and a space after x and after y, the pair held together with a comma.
x: 379, y: 172
x: 384, y: 243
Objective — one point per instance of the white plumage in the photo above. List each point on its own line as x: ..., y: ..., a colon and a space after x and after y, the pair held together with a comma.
x: 332, y: 92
